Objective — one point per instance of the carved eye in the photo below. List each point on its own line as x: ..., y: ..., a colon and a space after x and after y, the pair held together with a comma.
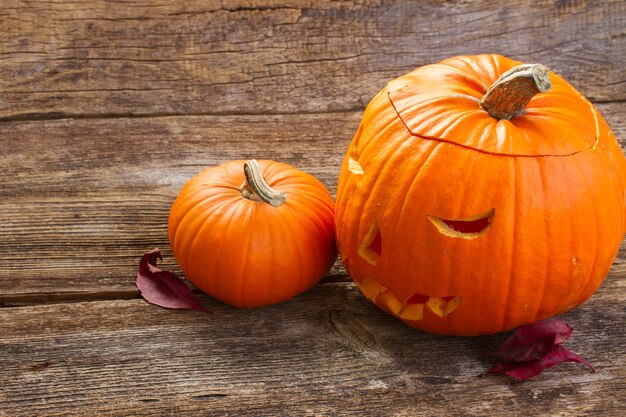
x: 354, y: 166
x: 372, y: 246
x: 468, y: 228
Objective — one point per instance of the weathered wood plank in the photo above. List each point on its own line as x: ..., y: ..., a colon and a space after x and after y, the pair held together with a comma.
x: 98, y: 58
x: 81, y: 200
x: 613, y: 113
x: 326, y: 353
x: 85, y: 157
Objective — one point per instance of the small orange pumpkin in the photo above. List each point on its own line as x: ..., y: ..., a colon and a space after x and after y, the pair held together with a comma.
x: 480, y: 194
x: 253, y: 233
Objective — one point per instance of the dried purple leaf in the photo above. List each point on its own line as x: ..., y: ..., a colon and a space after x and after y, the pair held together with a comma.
x: 164, y: 288
x: 534, y: 341
x: 526, y: 370
x: 534, y: 348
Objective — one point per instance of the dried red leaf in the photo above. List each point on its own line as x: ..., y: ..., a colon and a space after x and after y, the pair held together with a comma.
x: 534, y: 348
x: 164, y: 288
x: 534, y: 341
x: 526, y: 370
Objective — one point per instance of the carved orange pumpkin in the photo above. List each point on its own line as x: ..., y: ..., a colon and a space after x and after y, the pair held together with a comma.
x: 253, y: 238
x: 476, y: 197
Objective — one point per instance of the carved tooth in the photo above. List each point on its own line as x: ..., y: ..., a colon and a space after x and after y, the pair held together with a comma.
x: 452, y: 305
x: 441, y: 307
x: 437, y: 305
x: 391, y: 302
x: 370, y: 288
x: 412, y: 312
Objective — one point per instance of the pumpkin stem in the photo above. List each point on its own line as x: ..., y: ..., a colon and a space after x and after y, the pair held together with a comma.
x: 255, y: 187
x: 508, y: 96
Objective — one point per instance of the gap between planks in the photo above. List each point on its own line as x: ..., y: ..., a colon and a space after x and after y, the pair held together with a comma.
x: 24, y: 300
x: 35, y: 117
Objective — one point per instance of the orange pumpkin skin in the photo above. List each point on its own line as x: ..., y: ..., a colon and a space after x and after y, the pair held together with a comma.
x: 550, y: 183
x: 248, y: 253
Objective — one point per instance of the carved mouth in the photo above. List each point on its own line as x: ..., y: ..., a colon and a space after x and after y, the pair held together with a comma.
x: 413, y: 308
x: 467, y: 228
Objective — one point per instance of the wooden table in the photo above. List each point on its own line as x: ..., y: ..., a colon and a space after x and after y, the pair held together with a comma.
x: 108, y: 107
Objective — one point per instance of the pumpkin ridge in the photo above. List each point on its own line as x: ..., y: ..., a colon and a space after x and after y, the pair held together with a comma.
x: 293, y: 189
x: 589, y: 278
x: 316, y: 217
x: 272, y: 265
x: 229, y: 220
x: 288, y: 228
x: 475, y: 78
x: 185, y: 251
x: 308, y: 216
x: 471, y: 164
x: 311, y: 215
x: 592, y: 146
x: 421, y: 164
x: 423, y: 161
x: 250, y: 213
x: 460, y: 120
x: 548, y: 253
x: 514, y: 229
x: 191, y: 208
x: 309, y: 219
x: 374, y: 137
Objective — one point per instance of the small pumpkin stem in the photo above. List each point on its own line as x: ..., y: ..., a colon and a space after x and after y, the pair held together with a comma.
x: 255, y: 187
x: 508, y: 96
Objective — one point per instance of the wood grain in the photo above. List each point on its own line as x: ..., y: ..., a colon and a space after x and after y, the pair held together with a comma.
x: 111, y: 58
x: 326, y: 353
